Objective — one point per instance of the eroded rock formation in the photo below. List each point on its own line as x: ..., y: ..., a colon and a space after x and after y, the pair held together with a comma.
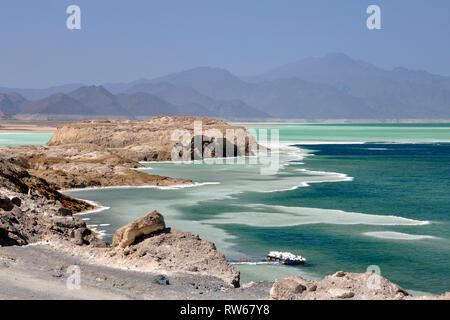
x: 146, y: 243
x: 157, y: 138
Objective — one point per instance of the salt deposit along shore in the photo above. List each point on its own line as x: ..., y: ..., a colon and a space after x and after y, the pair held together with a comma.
x: 42, y: 240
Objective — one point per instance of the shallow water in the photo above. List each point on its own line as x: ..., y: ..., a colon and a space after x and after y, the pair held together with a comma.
x: 16, y: 139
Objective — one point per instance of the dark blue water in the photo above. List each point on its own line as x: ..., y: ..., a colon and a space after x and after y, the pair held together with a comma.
x: 406, y: 180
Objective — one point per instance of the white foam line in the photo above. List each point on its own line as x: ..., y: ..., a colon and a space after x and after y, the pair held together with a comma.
x: 342, y: 177
x: 326, y: 142
x: 100, y: 208
x: 101, y: 233
x: 301, y: 185
x: 282, y: 216
x: 398, y: 235
x: 173, y: 187
x: 369, y: 141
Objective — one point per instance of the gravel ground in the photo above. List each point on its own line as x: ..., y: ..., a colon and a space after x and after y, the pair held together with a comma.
x: 41, y: 272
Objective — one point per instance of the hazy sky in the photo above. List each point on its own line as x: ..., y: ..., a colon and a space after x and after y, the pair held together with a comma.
x: 126, y: 40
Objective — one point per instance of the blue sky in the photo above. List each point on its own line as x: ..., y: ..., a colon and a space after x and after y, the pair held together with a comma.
x: 126, y: 40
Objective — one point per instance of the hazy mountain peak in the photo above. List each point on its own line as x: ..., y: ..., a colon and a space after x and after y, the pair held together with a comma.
x: 199, y: 73
x: 92, y: 89
x: 212, y: 82
x: 100, y: 100
x: 338, y: 57
x: 57, y: 103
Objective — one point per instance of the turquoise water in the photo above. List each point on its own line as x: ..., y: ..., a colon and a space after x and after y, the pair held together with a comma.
x: 346, y: 197
x: 15, y: 139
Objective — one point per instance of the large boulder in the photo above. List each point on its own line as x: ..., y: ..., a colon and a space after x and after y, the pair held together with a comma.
x: 289, y: 288
x: 150, y: 223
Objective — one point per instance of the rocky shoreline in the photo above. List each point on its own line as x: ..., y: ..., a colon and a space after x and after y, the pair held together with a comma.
x: 106, y: 153
x: 40, y: 238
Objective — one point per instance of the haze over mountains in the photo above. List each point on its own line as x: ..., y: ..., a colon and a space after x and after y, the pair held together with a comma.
x: 331, y: 87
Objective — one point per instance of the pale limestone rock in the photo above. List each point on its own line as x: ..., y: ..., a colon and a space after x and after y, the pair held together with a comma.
x: 340, y: 285
x: 150, y: 223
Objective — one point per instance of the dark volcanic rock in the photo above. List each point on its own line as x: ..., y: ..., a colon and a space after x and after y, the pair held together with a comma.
x: 14, y: 176
x: 161, y: 279
x: 31, y: 209
x: 6, y: 204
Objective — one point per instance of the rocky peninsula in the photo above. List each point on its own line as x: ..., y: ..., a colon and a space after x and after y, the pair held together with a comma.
x: 105, y: 153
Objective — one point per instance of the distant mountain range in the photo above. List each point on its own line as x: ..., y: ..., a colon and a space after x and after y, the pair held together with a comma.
x: 331, y: 87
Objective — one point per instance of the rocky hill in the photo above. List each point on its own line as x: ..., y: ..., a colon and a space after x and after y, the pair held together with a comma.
x: 153, y: 139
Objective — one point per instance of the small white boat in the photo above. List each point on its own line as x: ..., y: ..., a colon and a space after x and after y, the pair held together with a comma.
x: 285, y: 258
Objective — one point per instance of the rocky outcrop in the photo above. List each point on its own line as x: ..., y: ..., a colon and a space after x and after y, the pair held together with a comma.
x: 157, y: 138
x: 32, y: 210
x: 85, y: 166
x: 146, y: 245
x: 31, y: 218
x: 342, y: 286
x: 15, y: 177
x: 148, y: 224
